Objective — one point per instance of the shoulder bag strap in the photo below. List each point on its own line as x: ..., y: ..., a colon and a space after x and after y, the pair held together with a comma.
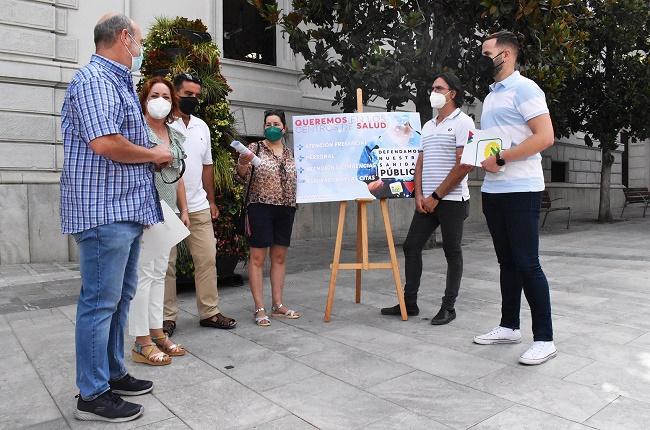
x: 250, y: 180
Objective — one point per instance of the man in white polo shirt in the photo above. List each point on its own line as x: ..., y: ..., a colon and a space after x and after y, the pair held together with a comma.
x: 512, y: 198
x: 199, y: 187
x: 441, y: 196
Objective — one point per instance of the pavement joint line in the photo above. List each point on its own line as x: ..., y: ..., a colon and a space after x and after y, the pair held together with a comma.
x: 514, y: 404
x: 601, y: 409
x: 40, y: 376
x: 334, y: 377
x: 414, y: 370
x: 28, y: 268
x: 153, y: 394
x: 259, y: 393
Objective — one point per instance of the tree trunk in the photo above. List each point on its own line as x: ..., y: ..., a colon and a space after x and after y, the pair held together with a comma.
x: 604, y: 208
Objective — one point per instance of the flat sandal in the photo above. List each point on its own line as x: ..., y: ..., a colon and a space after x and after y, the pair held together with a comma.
x: 261, y: 321
x: 289, y: 314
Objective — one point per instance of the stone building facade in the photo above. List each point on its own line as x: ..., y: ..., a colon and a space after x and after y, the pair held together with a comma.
x: 45, y: 41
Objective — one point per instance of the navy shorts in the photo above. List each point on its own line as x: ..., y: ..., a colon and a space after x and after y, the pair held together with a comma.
x: 270, y: 225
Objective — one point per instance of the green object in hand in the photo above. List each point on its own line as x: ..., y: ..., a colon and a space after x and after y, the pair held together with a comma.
x: 494, y: 151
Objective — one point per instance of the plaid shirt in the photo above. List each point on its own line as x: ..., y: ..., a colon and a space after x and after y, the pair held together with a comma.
x: 100, y: 101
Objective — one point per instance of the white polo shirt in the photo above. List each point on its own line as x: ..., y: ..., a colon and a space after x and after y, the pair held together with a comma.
x: 439, y: 144
x: 198, y: 148
x: 509, y: 106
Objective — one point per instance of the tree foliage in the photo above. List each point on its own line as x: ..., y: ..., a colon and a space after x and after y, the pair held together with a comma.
x: 178, y: 45
x: 611, y: 93
x: 393, y: 48
x: 590, y: 57
x: 553, y: 47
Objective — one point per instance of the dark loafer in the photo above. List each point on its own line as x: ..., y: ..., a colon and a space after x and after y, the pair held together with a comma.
x: 411, y: 310
x: 221, y: 321
x: 168, y: 327
x: 444, y: 316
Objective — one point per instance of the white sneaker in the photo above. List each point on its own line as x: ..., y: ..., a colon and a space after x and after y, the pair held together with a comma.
x: 499, y: 335
x: 538, y: 353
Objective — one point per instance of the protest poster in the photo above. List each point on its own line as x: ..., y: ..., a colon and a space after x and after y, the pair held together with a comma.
x: 481, y: 144
x: 356, y: 155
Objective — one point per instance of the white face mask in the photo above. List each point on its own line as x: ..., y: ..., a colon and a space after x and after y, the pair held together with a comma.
x: 437, y: 100
x: 158, y: 108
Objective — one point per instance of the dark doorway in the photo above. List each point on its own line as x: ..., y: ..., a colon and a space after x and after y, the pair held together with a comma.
x: 558, y: 171
x: 624, y: 159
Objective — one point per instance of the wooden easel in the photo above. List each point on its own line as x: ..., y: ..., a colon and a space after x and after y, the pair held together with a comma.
x: 362, y: 262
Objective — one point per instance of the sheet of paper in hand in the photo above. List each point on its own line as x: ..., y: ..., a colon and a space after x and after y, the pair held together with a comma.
x: 159, y: 238
x: 481, y: 144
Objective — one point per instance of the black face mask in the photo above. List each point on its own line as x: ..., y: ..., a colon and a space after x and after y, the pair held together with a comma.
x: 188, y: 105
x: 486, y: 67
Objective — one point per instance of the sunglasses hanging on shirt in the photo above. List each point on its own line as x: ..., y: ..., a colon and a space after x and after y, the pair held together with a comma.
x: 174, y: 172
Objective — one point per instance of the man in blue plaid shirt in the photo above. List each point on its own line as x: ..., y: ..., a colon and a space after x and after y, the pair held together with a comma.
x: 107, y: 196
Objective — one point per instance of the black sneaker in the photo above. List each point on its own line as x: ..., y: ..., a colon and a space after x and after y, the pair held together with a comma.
x: 129, y: 386
x: 444, y: 316
x: 107, y: 407
x: 411, y: 310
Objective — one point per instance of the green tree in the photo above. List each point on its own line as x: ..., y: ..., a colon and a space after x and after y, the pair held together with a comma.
x: 590, y: 57
x: 178, y: 45
x: 389, y: 48
x: 611, y: 94
x: 553, y: 47
x: 392, y: 48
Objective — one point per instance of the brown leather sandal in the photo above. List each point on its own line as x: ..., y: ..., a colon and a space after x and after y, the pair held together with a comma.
x: 149, y: 354
x: 169, y: 326
x: 222, y: 322
x: 167, y: 346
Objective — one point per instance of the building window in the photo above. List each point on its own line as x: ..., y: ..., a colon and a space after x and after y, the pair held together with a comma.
x: 558, y: 171
x: 246, y: 36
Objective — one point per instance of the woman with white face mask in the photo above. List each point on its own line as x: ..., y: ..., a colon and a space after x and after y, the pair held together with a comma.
x: 159, y: 105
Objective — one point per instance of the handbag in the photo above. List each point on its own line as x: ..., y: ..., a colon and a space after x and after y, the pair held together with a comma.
x: 242, y: 226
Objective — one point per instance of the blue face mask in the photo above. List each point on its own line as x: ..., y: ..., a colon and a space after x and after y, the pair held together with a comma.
x: 136, y: 62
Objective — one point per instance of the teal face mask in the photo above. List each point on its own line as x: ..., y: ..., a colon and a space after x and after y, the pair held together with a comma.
x: 273, y: 133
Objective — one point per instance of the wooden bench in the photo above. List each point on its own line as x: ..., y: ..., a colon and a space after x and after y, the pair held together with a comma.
x: 639, y: 196
x: 547, y: 207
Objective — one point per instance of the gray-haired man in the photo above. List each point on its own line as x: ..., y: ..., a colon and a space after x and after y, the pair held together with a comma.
x: 107, y: 196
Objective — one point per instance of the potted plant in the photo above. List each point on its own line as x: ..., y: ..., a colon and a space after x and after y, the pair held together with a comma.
x: 180, y: 45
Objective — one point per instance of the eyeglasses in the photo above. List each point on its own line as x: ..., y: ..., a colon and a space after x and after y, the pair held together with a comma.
x: 192, y: 78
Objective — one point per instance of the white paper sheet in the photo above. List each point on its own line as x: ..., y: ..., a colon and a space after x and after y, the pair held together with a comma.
x: 160, y: 238
x: 481, y: 144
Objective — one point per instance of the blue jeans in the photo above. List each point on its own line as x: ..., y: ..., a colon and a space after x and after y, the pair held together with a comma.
x: 513, y: 220
x: 108, y: 259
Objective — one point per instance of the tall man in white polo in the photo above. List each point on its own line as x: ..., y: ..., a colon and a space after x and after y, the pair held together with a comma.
x: 516, y: 106
x: 441, y: 196
x: 199, y: 187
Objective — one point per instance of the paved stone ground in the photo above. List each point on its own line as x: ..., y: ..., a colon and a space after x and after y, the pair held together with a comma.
x: 363, y: 370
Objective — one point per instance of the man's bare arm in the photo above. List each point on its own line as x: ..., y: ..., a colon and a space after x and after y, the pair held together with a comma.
x: 117, y: 148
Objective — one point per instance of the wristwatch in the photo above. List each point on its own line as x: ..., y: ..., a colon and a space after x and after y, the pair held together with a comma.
x: 436, y: 196
x: 500, y: 161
